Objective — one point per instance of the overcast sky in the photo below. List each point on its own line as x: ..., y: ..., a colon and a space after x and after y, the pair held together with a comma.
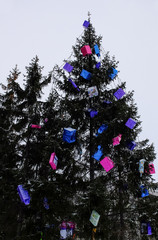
x: 49, y: 28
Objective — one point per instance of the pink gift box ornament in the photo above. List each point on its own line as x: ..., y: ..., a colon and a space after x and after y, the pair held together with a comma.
x: 86, y: 50
x: 35, y: 126
x: 107, y: 164
x: 53, y: 160
x: 116, y: 140
x: 151, y: 168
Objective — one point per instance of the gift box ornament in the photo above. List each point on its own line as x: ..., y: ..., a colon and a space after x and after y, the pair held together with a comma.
x: 68, y: 67
x: 130, y: 123
x: 94, y: 218
x: 97, y: 155
x: 35, y: 126
x: 144, y: 191
x: 145, y: 228
x: 69, y: 135
x: 66, y: 229
x: 151, y: 168
x: 45, y: 203
x: 96, y: 49
x: 86, y: 24
x: 116, y: 140
x: 86, y: 75
x: 119, y: 93
x: 24, y: 196
x: 107, y: 164
x: 98, y: 65
x: 92, y: 113
x: 112, y: 73
x: 53, y: 160
x: 92, y: 91
x: 102, y: 128
x: 74, y: 84
x: 141, y: 166
x: 86, y: 50
x: 131, y: 145
x: 106, y: 103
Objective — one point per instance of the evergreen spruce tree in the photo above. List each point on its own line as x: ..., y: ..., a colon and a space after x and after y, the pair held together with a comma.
x: 115, y: 195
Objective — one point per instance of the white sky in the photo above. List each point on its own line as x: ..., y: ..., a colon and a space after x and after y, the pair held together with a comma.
x: 49, y: 28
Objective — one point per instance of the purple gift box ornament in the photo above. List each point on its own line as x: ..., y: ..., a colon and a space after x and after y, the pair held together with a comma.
x: 24, y: 196
x: 131, y: 145
x: 68, y: 67
x: 86, y: 24
x: 74, y: 84
x: 130, y: 123
x: 92, y: 112
x: 98, y: 65
x: 119, y: 93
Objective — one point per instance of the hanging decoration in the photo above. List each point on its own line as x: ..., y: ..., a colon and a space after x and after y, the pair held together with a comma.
x: 119, y: 93
x: 112, y: 73
x: 92, y: 91
x: 98, y: 65
x: 131, y: 144
x: 101, y: 129
x: 74, y: 84
x: 35, y: 126
x: 24, y: 196
x: 69, y: 135
x: 107, y: 164
x: 96, y: 49
x: 145, y: 228
x: 68, y: 67
x: 151, y: 168
x: 106, y: 103
x: 86, y: 75
x: 92, y: 113
x: 86, y: 24
x: 94, y: 218
x: 45, y: 203
x: 86, y: 50
x: 66, y: 229
x: 97, y: 155
x: 130, y: 123
x: 144, y: 191
x: 141, y: 166
x: 116, y: 140
x: 46, y: 120
x: 53, y: 160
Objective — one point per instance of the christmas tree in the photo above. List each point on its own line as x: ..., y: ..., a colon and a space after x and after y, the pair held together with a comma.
x: 77, y: 153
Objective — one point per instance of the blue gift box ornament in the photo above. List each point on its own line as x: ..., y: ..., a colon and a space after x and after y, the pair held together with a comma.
x: 131, y: 145
x: 69, y: 135
x: 145, y: 228
x: 144, y: 191
x: 92, y: 112
x: 86, y: 24
x: 24, y: 196
x: 97, y: 155
x: 102, y: 128
x: 112, y: 73
x: 96, y: 49
x: 45, y: 203
x: 86, y: 75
